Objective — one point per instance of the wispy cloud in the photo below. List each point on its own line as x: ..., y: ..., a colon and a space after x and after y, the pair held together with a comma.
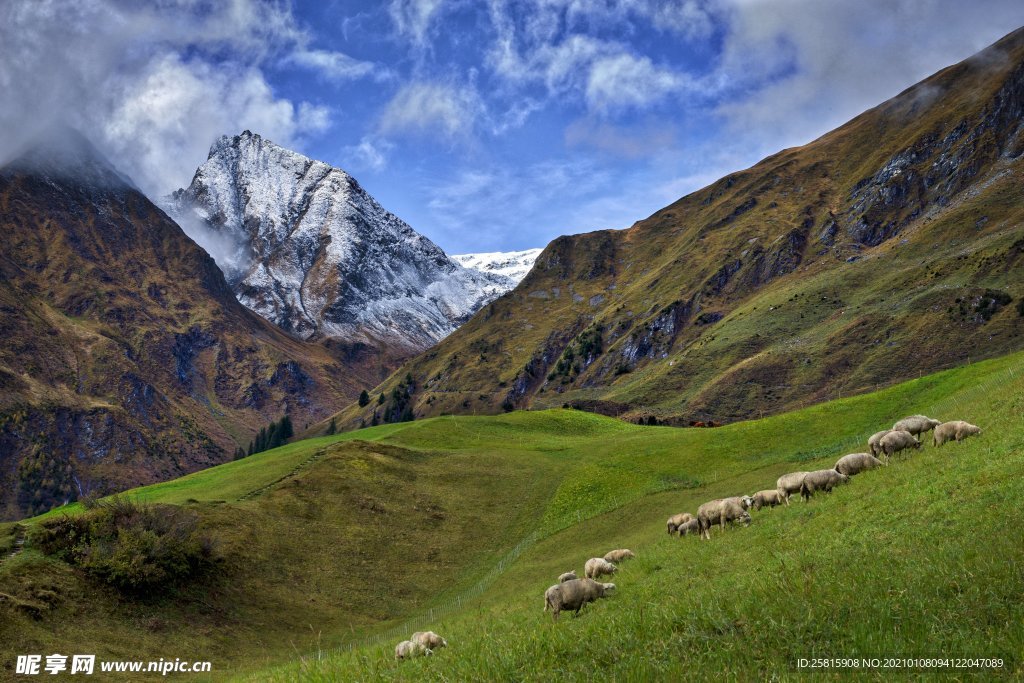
x: 370, y: 153
x: 413, y: 18
x: 432, y: 109
x: 336, y: 66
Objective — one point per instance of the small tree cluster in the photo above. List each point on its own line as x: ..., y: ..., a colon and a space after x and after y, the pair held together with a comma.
x: 274, y: 435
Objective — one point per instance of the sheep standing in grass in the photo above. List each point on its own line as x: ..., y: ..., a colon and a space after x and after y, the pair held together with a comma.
x: 721, y: 512
x: 768, y: 498
x: 916, y: 424
x: 691, y: 527
x: 598, y: 566
x: 408, y: 649
x: 428, y: 640
x: 821, y: 480
x: 875, y: 442
x: 619, y: 555
x: 788, y: 484
x: 573, y: 595
x: 957, y: 430
x: 855, y: 463
x: 896, y: 441
x: 675, y: 521
x: 568, y: 576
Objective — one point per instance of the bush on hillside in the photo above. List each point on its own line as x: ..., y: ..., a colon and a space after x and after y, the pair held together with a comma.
x: 133, y: 547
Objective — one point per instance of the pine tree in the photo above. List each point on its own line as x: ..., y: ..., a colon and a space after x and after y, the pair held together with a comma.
x: 374, y: 422
x: 286, y: 429
x: 250, y: 451
x: 364, y: 399
x: 332, y: 428
x: 274, y: 436
x: 381, y: 399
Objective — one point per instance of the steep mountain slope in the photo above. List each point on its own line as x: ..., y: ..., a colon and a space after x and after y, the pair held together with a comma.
x: 311, y: 251
x: 513, y: 265
x: 126, y: 358
x: 888, y: 247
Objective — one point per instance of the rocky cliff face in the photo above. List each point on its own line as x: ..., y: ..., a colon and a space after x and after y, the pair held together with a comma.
x: 126, y: 358
x: 304, y: 246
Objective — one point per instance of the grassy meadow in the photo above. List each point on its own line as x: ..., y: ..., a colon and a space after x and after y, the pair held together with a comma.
x: 338, y: 547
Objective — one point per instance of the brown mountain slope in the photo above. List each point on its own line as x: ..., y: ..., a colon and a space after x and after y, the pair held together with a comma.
x: 889, y: 247
x: 126, y: 358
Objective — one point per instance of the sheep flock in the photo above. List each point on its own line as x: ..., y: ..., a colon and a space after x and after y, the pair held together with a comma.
x: 572, y: 593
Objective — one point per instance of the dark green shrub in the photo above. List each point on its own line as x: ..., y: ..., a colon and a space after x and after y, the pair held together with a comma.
x: 133, y: 547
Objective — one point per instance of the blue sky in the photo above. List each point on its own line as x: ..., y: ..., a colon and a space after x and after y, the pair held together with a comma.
x: 489, y: 124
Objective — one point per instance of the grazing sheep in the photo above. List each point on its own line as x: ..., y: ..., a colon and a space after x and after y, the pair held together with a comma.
x: 768, y: 498
x: 788, y: 484
x: 408, y: 649
x: 598, y: 566
x: 618, y: 555
x: 568, y: 576
x: 429, y: 640
x: 675, y: 521
x: 573, y: 595
x: 855, y: 463
x: 821, y: 480
x: 896, y: 441
x: 691, y: 527
x: 874, y: 443
x: 916, y: 424
x: 720, y: 512
x: 956, y: 430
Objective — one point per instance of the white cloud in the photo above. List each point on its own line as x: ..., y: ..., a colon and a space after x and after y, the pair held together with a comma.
x: 116, y: 71
x: 159, y: 122
x: 413, y: 18
x: 431, y: 108
x: 336, y: 66
x: 624, y: 81
x: 371, y: 153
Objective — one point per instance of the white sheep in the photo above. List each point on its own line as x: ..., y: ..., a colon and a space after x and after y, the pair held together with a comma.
x: 956, y: 430
x: 619, y: 555
x: 691, y: 527
x: 855, y: 463
x: 768, y: 498
x: 821, y: 480
x: 598, y: 566
x: 722, y: 511
x: 567, y: 576
x: 896, y: 441
x: 874, y: 443
x: 675, y: 521
x: 429, y: 640
x: 916, y: 424
x: 573, y: 595
x: 788, y: 484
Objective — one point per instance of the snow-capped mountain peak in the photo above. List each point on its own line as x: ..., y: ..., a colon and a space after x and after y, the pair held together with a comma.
x: 511, y: 264
x: 305, y: 246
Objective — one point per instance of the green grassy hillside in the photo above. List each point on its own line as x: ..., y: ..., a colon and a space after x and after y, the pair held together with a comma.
x: 888, y: 248
x: 338, y: 547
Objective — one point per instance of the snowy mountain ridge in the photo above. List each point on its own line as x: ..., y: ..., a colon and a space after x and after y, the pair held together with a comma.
x: 305, y: 246
x: 511, y: 264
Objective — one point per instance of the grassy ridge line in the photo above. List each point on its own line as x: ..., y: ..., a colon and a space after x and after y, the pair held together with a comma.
x: 908, y: 560
x: 455, y: 604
